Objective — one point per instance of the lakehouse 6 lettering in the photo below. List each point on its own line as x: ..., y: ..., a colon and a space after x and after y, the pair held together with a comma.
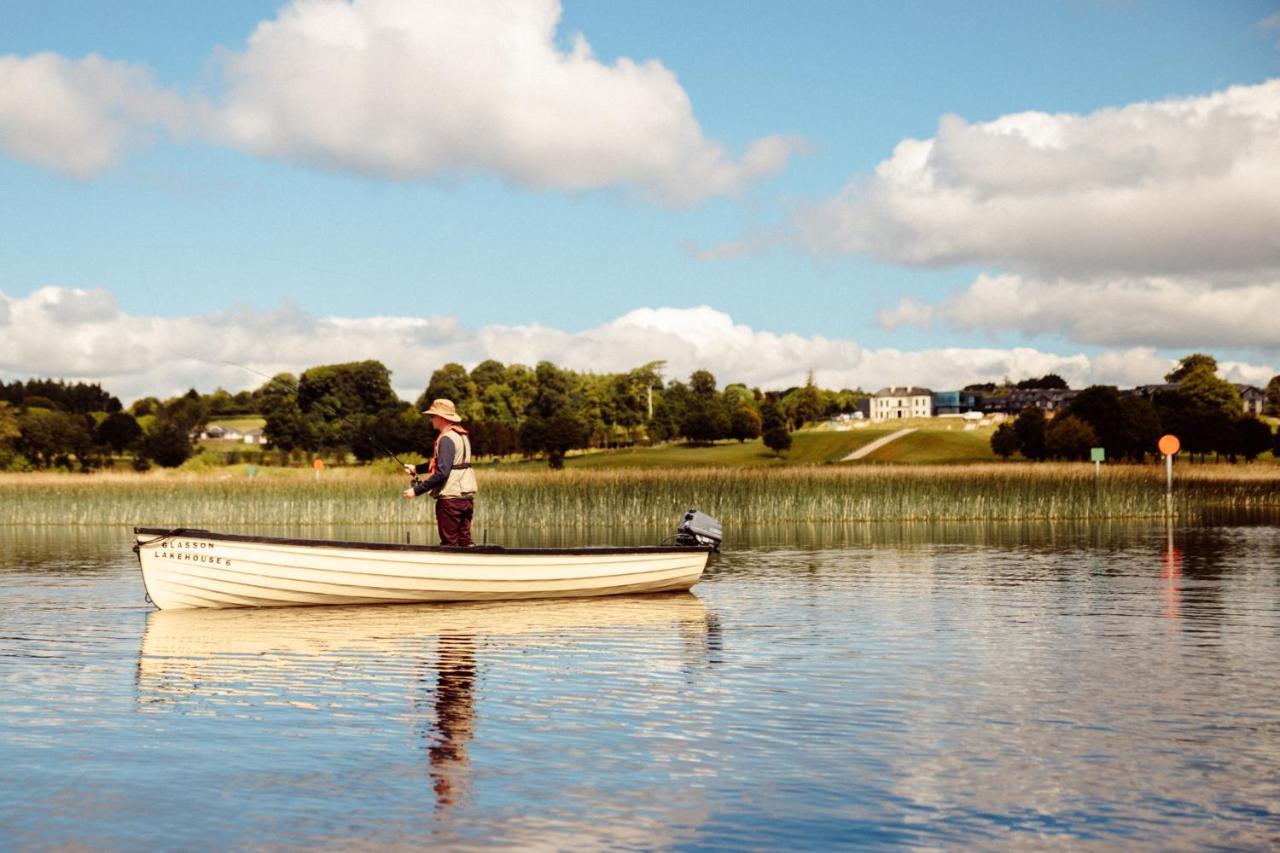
x: 189, y: 551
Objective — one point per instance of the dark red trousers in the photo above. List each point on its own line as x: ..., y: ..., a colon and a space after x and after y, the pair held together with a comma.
x: 453, y: 517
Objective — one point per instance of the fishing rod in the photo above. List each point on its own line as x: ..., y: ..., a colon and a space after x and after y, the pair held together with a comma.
x: 293, y: 386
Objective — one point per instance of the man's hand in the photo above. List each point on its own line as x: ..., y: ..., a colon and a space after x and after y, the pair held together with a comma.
x: 408, y: 469
x: 409, y: 494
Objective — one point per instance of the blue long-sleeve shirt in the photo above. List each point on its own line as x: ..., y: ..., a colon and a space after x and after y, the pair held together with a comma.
x: 444, y: 466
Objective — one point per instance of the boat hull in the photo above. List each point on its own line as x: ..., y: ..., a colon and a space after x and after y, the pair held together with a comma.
x: 185, y: 569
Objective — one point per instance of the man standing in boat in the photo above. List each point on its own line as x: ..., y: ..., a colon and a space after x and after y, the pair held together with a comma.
x: 450, y: 479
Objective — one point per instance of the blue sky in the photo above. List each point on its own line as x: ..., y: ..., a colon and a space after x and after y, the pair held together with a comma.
x: 816, y: 266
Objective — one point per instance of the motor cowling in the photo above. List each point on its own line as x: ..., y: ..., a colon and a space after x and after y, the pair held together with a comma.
x: 698, y: 528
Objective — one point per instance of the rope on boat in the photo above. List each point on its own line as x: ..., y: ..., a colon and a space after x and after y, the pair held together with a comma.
x: 177, y: 531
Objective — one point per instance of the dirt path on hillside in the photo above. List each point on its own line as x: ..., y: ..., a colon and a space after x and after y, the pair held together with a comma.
x: 877, y: 444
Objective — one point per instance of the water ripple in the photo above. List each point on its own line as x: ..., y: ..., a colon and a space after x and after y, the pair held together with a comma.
x: 1072, y: 690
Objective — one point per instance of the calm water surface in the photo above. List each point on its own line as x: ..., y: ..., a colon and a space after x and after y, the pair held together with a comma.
x: 935, y: 687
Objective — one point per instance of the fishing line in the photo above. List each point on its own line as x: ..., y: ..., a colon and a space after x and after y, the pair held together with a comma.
x: 291, y: 386
x: 144, y: 279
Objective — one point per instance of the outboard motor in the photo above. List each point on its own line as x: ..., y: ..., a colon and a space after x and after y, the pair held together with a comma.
x: 698, y: 528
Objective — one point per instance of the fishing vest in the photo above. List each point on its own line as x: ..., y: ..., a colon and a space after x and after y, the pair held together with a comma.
x: 462, y: 480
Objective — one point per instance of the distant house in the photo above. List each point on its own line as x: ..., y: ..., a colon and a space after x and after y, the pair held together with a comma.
x: 955, y: 402
x: 1253, y: 399
x: 1047, y: 400
x: 218, y: 432
x: 255, y: 436
x: 906, y: 402
x: 1148, y: 392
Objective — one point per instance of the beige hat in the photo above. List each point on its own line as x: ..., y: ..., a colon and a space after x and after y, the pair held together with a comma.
x: 444, y: 408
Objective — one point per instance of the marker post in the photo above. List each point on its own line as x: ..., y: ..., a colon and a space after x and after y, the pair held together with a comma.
x: 1168, y: 445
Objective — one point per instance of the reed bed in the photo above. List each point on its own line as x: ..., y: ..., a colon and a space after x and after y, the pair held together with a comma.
x: 594, y: 498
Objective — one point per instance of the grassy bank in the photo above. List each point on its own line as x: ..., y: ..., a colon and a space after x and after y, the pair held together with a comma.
x: 932, y: 443
x: 739, y: 496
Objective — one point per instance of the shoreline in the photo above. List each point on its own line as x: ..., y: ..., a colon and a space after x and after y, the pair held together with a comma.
x: 629, y: 496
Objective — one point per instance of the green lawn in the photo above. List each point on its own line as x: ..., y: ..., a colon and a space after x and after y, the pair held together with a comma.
x: 937, y: 447
x: 240, y: 423
x: 808, y: 447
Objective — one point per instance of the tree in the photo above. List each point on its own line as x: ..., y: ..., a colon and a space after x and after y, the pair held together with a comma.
x: 51, y: 437
x: 1252, y: 438
x: 1199, y: 426
x: 805, y: 404
x: 704, y: 418
x: 555, y: 436
x: 146, y: 406
x: 119, y: 431
x: 1048, y: 381
x: 1204, y: 387
x: 494, y: 438
x: 339, y: 403
x: 169, y: 440
x: 1100, y: 406
x: 672, y: 403
x: 1197, y: 361
x: 745, y: 423
x: 1273, y: 397
x: 1030, y: 427
x: 451, y: 382
x: 10, y: 434
x: 777, y: 439
x: 1069, y: 437
x: 1004, y: 441
x: 486, y: 373
x: 286, y: 428
x: 1139, y: 429
x: 167, y: 443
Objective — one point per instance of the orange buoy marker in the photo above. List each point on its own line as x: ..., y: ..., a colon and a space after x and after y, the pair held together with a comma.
x: 1168, y: 445
x: 318, y: 465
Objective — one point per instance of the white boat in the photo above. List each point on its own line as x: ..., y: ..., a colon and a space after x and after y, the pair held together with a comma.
x: 185, y: 569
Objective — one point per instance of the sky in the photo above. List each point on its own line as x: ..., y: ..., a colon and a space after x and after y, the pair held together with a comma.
x: 918, y: 193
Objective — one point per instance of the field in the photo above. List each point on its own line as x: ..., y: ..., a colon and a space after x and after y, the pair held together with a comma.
x: 643, y: 496
x: 932, y: 444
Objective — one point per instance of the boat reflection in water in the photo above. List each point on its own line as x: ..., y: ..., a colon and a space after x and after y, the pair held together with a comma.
x: 346, y: 660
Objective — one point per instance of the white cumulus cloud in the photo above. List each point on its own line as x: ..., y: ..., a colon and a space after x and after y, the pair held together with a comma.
x: 1167, y: 312
x: 406, y: 89
x: 79, y: 117
x: 1179, y: 186
x: 401, y: 90
x: 83, y: 334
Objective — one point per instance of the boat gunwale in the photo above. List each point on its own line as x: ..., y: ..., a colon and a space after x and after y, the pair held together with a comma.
x: 164, y: 533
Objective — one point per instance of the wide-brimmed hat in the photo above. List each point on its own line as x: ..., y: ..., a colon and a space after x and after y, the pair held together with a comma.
x: 444, y: 408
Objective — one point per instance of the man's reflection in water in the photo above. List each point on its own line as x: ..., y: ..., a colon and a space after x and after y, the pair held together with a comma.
x: 455, y: 716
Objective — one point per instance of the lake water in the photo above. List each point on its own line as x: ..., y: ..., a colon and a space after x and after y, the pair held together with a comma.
x: 998, y: 687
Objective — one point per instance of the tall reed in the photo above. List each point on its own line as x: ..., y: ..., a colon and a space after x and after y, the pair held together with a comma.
x: 995, y: 492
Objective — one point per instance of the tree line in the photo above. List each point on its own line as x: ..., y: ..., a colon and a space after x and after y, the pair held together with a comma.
x: 351, y: 410
x: 1205, y: 412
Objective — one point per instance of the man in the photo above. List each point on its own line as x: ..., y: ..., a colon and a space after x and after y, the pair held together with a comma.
x: 450, y: 479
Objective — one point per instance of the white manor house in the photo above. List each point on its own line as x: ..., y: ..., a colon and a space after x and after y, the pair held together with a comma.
x: 908, y: 402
